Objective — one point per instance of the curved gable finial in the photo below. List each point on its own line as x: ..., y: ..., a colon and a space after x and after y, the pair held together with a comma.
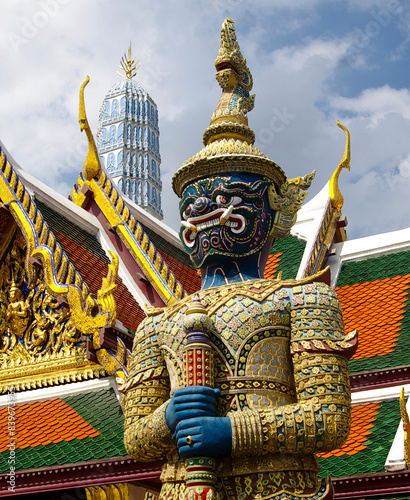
x: 92, y: 166
x: 334, y: 191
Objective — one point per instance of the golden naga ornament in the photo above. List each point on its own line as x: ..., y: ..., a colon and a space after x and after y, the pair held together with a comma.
x: 92, y: 166
x: 406, y: 426
x: 40, y: 344
x: 334, y: 191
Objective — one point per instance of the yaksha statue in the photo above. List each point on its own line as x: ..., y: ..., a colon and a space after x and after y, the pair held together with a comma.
x: 279, y: 388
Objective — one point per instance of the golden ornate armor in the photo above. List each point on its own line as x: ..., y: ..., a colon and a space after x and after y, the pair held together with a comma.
x: 282, y: 370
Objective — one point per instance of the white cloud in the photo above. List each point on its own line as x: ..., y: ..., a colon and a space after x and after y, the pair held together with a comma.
x: 296, y: 58
x: 177, y: 42
x: 377, y: 103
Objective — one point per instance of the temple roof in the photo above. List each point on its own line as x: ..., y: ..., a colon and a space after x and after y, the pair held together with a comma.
x: 66, y: 249
x: 66, y: 430
x: 121, y: 87
x: 89, y: 258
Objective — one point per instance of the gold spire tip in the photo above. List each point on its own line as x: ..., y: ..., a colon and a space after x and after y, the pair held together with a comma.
x: 334, y: 191
x: 129, y: 65
x: 230, y: 118
x: 92, y: 166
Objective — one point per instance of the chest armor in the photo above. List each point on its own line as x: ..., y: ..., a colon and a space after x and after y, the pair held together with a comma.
x: 250, y: 341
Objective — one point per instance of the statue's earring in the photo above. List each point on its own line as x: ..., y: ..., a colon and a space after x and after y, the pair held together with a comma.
x: 287, y: 203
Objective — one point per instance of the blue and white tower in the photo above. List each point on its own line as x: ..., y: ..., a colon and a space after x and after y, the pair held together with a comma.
x: 128, y: 140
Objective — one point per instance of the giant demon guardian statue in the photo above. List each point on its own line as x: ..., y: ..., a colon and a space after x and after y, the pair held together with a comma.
x: 240, y: 385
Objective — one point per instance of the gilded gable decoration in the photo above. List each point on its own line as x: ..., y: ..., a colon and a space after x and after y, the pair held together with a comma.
x: 43, y: 254
x: 95, y: 182
x: 40, y: 344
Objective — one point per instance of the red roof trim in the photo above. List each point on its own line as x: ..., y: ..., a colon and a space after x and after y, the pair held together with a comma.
x: 81, y: 475
x: 388, y: 483
x: 378, y: 379
x: 127, y: 470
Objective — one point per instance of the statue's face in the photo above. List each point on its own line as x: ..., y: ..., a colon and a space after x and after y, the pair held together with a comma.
x: 14, y: 294
x: 226, y: 216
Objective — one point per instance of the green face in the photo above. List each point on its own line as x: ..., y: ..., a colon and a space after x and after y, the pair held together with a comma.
x: 226, y: 216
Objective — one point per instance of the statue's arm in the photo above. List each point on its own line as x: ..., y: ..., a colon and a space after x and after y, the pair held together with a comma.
x: 147, y: 436
x: 320, y: 419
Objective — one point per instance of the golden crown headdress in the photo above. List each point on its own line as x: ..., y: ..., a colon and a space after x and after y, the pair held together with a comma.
x: 229, y: 140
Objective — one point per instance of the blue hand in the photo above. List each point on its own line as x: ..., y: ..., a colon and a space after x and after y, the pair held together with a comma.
x: 191, y: 402
x: 211, y: 437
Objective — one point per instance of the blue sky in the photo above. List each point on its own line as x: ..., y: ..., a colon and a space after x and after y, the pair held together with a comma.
x: 313, y: 62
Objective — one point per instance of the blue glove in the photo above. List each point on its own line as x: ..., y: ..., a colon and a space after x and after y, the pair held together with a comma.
x: 191, y: 402
x: 207, y: 437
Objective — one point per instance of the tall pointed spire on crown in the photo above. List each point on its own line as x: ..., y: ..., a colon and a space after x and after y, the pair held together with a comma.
x: 230, y: 119
x: 229, y: 140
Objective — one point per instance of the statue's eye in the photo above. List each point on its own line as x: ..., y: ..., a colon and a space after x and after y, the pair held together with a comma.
x: 187, y: 212
x: 223, y: 200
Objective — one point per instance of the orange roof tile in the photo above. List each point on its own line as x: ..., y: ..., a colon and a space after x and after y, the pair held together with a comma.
x: 363, y: 417
x: 375, y: 309
x: 44, y: 422
x: 272, y: 265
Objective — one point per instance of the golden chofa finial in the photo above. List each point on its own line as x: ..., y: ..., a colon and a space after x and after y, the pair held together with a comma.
x: 129, y: 65
x: 334, y: 191
x: 92, y: 165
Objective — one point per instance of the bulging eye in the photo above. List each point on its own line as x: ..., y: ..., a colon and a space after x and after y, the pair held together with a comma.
x: 187, y: 212
x: 223, y: 200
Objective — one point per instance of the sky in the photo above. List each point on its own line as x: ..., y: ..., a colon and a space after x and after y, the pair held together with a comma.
x: 313, y: 62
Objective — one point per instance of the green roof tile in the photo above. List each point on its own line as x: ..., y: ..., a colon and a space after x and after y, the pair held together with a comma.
x: 292, y: 251
x: 384, y: 266
x: 101, y: 410
x: 372, y: 459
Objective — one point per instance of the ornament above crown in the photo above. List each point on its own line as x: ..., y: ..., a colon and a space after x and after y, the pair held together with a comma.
x: 229, y: 140
x: 230, y: 119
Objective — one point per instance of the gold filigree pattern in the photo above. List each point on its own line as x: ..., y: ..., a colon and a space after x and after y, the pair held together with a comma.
x: 108, y: 492
x: 60, y: 276
x: 40, y: 344
x: 89, y: 314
